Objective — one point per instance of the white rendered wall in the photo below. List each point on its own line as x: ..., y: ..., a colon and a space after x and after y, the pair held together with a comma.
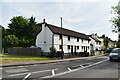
x: 73, y: 42
x: 44, y: 39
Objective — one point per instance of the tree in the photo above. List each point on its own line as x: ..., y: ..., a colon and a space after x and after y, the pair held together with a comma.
x: 106, y: 41
x: 18, y: 26
x: 11, y: 40
x: 33, y: 29
x: 116, y: 20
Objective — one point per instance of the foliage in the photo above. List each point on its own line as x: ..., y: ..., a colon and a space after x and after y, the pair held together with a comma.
x: 118, y: 44
x: 106, y: 41
x: 53, y: 50
x: 116, y: 20
x: 18, y: 26
x: 23, y: 29
x: 10, y: 40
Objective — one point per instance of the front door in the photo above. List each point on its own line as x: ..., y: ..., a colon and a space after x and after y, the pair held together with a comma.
x: 72, y: 50
x: 75, y: 50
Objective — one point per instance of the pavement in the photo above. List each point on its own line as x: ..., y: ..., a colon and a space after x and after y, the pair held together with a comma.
x: 45, y: 62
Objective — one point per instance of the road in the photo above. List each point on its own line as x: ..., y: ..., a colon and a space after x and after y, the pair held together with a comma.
x: 95, y: 68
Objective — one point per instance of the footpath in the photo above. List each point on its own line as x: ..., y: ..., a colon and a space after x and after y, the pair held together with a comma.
x: 46, y: 62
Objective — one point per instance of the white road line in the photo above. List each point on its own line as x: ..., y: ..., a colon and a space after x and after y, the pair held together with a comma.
x: 31, y: 72
x: 26, y: 76
x: 15, y: 67
x: 18, y: 74
x: 59, y: 74
x: 69, y: 69
x: 82, y: 66
x: 53, y: 72
x: 41, y: 71
x: 1, y: 68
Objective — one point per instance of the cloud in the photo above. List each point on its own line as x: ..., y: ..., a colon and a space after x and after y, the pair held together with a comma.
x: 86, y: 16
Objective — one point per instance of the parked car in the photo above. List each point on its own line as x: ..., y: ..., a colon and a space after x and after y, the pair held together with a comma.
x: 115, y: 54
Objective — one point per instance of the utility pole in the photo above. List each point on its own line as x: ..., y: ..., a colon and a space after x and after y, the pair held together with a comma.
x: 0, y: 39
x: 62, y: 53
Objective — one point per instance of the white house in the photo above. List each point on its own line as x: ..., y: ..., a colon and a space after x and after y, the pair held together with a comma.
x: 73, y: 41
x: 95, y: 43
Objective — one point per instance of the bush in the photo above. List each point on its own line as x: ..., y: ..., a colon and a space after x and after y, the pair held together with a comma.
x: 52, y: 51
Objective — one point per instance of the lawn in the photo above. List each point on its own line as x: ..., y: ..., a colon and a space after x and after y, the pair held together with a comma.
x: 6, y: 58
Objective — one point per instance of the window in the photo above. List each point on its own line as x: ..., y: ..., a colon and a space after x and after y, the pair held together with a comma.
x: 68, y: 46
x: 68, y: 38
x: 88, y: 41
x: 60, y: 36
x: 60, y: 46
x: 88, y: 47
x: 77, y: 47
x: 77, y: 39
x: 82, y: 40
x: 82, y: 47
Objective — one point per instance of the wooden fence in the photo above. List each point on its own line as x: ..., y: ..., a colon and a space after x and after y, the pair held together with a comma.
x: 25, y: 51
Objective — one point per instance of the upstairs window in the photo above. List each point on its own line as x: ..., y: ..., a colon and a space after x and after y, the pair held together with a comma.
x: 60, y: 36
x: 77, y: 39
x: 82, y: 40
x: 88, y: 41
x: 68, y: 38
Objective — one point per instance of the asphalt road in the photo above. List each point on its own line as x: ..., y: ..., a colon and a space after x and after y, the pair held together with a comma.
x: 95, y: 68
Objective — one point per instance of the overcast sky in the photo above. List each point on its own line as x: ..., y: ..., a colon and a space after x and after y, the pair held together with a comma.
x: 85, y: 16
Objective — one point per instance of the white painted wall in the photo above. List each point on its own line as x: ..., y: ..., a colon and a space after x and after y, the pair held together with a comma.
x: 73, y: 42
x: 44, y: 39
x: 95, y: 44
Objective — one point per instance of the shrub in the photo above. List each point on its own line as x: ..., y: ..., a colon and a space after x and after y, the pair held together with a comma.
x: 52, y: 51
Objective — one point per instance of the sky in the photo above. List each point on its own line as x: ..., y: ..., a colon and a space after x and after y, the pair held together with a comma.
x: 85, y: 16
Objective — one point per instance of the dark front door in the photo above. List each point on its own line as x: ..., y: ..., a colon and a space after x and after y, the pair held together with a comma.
x: 75, y: 50
x: 72, y: 50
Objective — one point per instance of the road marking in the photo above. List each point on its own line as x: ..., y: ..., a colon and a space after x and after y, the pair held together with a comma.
x: 31, y: 72
x: 15, y: 67
x: 18, y: 74
x: 26, y: 76
x: 41, y: 71
x: 53, y: 72
x: 82, y: 66
x: 69, y: 69
x: 59, y: 74
x: 1, y: 68
x: 17, y: 70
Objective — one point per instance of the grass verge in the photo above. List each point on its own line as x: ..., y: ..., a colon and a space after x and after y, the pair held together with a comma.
x: 6, y: 58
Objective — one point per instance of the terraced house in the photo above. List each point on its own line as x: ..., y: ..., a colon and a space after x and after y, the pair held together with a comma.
x: 73, y: 42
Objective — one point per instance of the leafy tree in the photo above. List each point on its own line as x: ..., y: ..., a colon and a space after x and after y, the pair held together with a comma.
x: 21, y: 32
x: 106, y: 41
x: 11, y: 40
x: 33, y: 29
x: 116, y: 21
x: 18, y: 26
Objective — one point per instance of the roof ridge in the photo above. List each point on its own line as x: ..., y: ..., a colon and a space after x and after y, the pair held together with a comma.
x: 66, y: 29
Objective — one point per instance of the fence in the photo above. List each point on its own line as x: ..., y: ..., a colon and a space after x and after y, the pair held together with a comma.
x: 25, y: 51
